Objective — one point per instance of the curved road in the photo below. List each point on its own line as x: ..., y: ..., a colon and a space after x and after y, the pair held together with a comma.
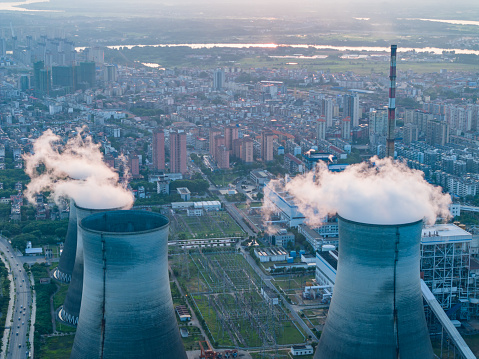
x: 17, y: 348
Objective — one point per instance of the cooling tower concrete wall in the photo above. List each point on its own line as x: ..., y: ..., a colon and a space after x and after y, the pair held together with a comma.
x: 376, y: 310
x: 71, y: 307
x: 127, y: 309
x: 67, y: 260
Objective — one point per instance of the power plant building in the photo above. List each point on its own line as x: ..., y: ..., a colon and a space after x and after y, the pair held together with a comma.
x: 127, y: 309
x: 376, y: 310
x: 64, y: 270
x: 71, y: 307
x: 447, y: 268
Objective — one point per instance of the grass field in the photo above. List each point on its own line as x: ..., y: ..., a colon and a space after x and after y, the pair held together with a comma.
x: 59, y: 297
x: 210, y: 225
x: 57, y: 347
x: 358, y: 66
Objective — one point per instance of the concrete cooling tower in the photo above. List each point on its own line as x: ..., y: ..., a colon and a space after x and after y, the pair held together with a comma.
x: 377, y: 309
x: 127, y: 309
x: 67, y: 260
x: 71, y: 307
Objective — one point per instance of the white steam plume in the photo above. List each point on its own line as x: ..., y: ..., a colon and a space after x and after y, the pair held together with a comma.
x: 377, y: 192
x: 75, y: 170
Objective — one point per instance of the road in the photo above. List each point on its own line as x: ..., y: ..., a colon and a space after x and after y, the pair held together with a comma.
x: 17, y: 348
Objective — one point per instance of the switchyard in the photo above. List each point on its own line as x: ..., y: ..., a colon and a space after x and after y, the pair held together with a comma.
x: 209, y: 225
x: 226, y: 293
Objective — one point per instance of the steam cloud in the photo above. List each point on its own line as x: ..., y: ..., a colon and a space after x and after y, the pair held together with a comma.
x: 377, y: 192
x: 76, y: 171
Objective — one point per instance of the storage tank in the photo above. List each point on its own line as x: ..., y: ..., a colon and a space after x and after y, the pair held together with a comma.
x: 71, y: 307
x: 67, y: 260
x: 127, y: 309
x: 377, y: 309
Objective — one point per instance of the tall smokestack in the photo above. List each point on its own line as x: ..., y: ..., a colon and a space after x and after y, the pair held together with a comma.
x: 127, y: 309
x: 71, y: 307
x: 392, y: 104
x: 377, y: 310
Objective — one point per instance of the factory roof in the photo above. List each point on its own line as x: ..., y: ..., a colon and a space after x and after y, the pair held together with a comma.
x: 444, y: 233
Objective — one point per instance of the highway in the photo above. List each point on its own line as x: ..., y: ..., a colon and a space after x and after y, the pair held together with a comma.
x: 17, y: 348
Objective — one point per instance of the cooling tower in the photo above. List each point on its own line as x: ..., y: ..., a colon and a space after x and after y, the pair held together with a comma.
x: 126, y: 310
x: 71, y: 307
x: 67, y: 260
x: 377, y: 310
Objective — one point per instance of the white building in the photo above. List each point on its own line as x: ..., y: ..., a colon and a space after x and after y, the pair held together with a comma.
x: 271, y: 254
x: 298, y: 350
x: 282, y: 205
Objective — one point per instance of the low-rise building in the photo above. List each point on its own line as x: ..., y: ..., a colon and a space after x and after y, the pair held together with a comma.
x: 271, y: 254
x: 298, y: 350
x: 280, y: 237
x: 184, y: 193
x: 270, y: 296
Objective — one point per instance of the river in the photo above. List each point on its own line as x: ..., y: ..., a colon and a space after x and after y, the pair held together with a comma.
x: 17, y: 6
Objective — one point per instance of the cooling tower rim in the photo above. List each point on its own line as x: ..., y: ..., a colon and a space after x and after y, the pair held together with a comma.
x: 132, y: 213
x: 100, y: 209
x: 405, y: 224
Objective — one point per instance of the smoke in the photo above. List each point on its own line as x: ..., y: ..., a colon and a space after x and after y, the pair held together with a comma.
x: 75, y: 170
x: 377, y: 192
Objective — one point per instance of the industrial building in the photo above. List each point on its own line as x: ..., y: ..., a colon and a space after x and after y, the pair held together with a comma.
x: 271, y: 254
x: 376, y: 311
x: 283, y: 205
x: 280, y: 237
x: 127, y: 310
x: 447, y: 268
x: 298, y: 350
x: 70, y: 310
x: 64, y: 270
x: 206, y: 205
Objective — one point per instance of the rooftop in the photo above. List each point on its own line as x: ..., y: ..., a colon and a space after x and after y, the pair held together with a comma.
x: 443, y: 233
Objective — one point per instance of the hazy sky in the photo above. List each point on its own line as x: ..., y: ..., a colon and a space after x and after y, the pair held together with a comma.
x: 266, y: 8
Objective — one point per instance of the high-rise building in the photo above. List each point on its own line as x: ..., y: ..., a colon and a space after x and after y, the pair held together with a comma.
x: 321, y: 129
x: 247, y: 150
x: 223, y: 157
x: 158, y: 150
x: 346, y: 128
x: 267, y: 146
x: 178, y: 152
x: 219, y: 141
x: 41, y: 78
x: 218, y: 79
x: 213, y: 133
x: 244, y: 149
x: 3, y: 47
x: 87, y: 74
x: 63, y: 76
x: 410, y: 133
x: 109, y: 73
x: 437, y: 133
x: 134, y: 164
x: 24, y: 82
x: 231, y: 134
x: 378, y: 122
x: 327, y: 110
x: 351, y: 108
